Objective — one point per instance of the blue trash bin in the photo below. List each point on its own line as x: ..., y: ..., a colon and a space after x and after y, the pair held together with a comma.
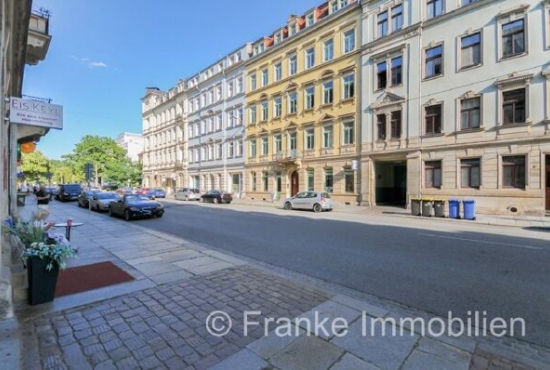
x: 469, y: 209
x: 454, y: 208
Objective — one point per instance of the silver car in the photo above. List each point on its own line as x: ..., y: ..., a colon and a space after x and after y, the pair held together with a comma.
x: 100, y: 201
x: 188, y: 194
x: 312, y: 200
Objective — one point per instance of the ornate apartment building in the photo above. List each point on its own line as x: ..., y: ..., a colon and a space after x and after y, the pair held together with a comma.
x: 303, y: 128
x: 215, y: 98
x: 456, y: 103
x: 164, y: 150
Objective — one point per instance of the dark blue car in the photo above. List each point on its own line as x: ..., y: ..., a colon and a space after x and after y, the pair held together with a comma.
x: 135, y: 206
x: 157, y: 193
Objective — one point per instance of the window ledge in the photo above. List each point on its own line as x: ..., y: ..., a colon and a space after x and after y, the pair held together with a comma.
x: 469, y: 68
x: 430, y: 78
x: 469, y: 130
x: 515, y: 56
x: 327, y: 105
x: 348, y: 100
x: 502, y: 126
x: 293, y: 114
x: 309, y: 110
x: 427, y: 136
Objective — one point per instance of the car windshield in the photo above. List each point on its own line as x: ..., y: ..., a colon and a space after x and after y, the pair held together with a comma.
x: 72, y: 188
x: 106, y: 196
x: 135, y: 198
x: 159, y: 190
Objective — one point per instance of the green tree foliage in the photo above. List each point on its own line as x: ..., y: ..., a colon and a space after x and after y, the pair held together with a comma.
x: 64, y: 172
x: 35, y: 166
x: 123, y: 173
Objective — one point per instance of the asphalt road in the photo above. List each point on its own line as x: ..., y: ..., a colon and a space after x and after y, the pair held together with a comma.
x: 434, y: 271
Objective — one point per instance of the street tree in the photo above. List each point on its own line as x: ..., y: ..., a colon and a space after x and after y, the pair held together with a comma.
x: 35, y: 166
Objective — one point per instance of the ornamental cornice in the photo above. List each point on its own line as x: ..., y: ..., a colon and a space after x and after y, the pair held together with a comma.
x: 513, y: 78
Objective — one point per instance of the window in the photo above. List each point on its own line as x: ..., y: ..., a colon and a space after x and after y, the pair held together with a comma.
x: 265, y: 77
x: 433, y: 119
x: 513, y: 172
x: 513, y: 106
x: 292, y: 102
x: 277, y: 107
x: 435, y: 8
x: 253, y: 114
x: 382, y: 75
x: 253, y: 82
x: 310, y: 58
x: 348, y: 181
x: 310, y: 180
x: 434, y: 59
x: 231, y: 150
x: 383, y: 24
x: 349, y: 41
x: 310, y: 97
x: 328, y: 92
x: 265, y: 146
x: 396, y: 71
x: 432, y: 171
x: 381, y: 126
x: 239, y: 85
x: 292, y: 65
x: 349, y: 86
x: 264, y: 181
x: 470, y: 53
x: 513, y: 38
x: 279, y: 181
x: 470, y: 174
x: 328, y: 50
x: 395, y: 123
x: 265, y: 109
x: 240, y: 115
x: 470, y: 113
x: 329, y: 180
x: 292, y: 29
x: 218, y: 93
x: 220, y: 150
x: 467, y: 2
x: 327, y: 136
x: 277, y: 144
x: 292, y: 142
x: 253, y: 147
x: 310, y: 139
x: 278, y: 71
x: 343, y: 3
x: 253, y: 180
x: 310, y: 19
x: 349, y: 134
x: 397, y: 17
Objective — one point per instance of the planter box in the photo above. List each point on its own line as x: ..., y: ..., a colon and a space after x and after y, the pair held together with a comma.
x: 41, y: 281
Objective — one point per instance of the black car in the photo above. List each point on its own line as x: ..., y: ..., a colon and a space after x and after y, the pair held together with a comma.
x: 135, y: 206
x: 52, y: 190
x: 68, y: 192
x: 85, y: 196
x: 216, y: 196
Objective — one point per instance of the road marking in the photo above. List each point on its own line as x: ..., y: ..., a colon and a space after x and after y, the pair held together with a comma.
x: 483, y: 242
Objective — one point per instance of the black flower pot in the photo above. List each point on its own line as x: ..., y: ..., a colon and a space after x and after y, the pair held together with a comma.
x: 41, y: 281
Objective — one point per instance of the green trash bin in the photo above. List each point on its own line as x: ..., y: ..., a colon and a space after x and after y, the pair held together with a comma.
x: 416, y: 206
x: 439, y: 208
x: 427, y: 207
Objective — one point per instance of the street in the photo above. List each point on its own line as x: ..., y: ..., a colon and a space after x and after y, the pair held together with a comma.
x: 429, y: 270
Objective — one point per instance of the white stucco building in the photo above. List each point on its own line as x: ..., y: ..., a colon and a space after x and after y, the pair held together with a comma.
x: 455, y: 99
x: 132, y: 143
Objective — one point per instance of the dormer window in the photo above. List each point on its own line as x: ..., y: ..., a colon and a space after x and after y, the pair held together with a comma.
x: 310, y: 19
x: 343, y: 3
x: 334, y: 6
x: 292, y: 29
x: 278, y: 38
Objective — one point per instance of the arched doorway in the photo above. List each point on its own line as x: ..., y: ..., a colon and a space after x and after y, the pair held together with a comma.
x: 294, y: 183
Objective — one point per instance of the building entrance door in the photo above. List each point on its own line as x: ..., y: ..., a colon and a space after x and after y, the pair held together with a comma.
x: 294, y: 183
x: 548, y: 183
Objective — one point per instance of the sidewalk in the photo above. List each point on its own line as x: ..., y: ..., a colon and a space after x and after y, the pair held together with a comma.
x: 159, y: 320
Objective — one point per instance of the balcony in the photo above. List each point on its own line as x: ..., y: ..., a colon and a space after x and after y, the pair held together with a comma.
x: 287, y: 156
x: 38, y: 41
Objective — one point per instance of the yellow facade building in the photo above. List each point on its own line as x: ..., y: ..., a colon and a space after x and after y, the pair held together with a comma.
x: 303, y: 106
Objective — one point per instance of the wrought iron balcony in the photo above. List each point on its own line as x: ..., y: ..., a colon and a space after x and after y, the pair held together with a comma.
x: 38, y: 41
x: 287, y: 156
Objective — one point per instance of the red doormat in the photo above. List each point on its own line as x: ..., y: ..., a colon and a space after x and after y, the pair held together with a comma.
x: 83, y: 278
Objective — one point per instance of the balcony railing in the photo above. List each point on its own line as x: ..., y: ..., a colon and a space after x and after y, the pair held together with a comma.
x: 287, y: 156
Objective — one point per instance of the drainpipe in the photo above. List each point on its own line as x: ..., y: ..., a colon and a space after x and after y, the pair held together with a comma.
x: 224, y: 121
x: 420, y: 65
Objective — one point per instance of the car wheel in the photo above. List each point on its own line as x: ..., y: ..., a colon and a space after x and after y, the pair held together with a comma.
x: 317, y: 208
x: 127, y: 215
x: 160, y: 215
x: 216, y: 201
x: 288, y: 206
x: 79, y: 204
x: 111, y: 212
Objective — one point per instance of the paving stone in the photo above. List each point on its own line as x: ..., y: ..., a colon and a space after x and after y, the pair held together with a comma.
x: 207, y: 269
x: 433, y: 355
x: 137, y: 261
x: 170, y: 277
x: 242, y: 360
x: 328, y: 310
x: 307, y: 353
x: 269, y: 345
x: 361, y: 306
x: 349, y: 362
x: 194, y: 262
x: 385, y: 351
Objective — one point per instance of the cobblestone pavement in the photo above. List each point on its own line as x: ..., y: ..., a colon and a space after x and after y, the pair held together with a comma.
x: 163, y: 327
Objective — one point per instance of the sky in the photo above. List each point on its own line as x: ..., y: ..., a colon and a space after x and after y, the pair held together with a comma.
x: 104, y: 53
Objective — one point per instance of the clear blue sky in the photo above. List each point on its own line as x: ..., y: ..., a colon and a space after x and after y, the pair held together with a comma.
x: 105, y: 52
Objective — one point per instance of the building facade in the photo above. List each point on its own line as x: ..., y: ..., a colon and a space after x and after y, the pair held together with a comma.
x: 132, y: 143
x: 164, y: 116
x: 303, y: 107
x: 215, y: 99
x: 456, y: 103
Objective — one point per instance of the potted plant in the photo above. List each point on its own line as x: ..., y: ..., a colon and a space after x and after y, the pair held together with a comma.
x: 43, y: 257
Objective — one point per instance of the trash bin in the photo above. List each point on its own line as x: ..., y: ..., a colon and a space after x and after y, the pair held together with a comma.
x: 415, y: 206
x: 469, y: 209
x: 427, y: 207
x: 454, y: 208
x: 439, y: 208
x: 21, y: 199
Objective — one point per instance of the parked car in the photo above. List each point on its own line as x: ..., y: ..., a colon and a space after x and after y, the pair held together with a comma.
x: 158, y: 192
x: 150, y: 193
x: 188, y: 194
x: 68, y: 192
x: 53, y: 191
x: 312, y: 200
x: 216, y: 196
x: 125, y: 191
x: 135, y: 206
x: 100, y: 201
x: 85, y: 196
